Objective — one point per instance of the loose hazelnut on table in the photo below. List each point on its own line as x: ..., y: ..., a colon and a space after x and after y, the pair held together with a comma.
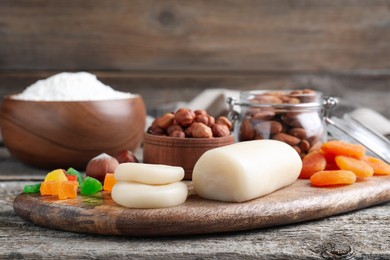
x: 126, y: 156
x: 100, y: 165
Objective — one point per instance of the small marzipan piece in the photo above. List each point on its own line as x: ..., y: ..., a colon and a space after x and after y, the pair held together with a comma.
x: 138, y: 195
x: 153, y: 174
x: 245, y: 170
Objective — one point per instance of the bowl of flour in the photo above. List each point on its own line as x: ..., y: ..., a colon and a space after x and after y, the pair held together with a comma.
x: 69, y: 118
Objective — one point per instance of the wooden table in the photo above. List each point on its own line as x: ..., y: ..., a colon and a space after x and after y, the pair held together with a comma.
x: 364, y: 234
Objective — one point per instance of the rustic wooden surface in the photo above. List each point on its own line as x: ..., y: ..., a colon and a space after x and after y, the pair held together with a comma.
x: 198, y: 35
x: 361, y: 234
x: 169, y: 51
x: 99, y: 214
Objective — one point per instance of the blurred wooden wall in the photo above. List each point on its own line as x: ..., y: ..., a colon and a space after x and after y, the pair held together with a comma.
x: 170, y: 50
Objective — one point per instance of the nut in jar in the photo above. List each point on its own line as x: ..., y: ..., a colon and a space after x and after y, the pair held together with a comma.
x: 291, y: 116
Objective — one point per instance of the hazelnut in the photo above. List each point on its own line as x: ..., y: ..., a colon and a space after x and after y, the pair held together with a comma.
x: 155, y: 130
x: 165, y: 120
x: 200, y: 130
x: 188, y: 131
x: 184, y: 117
x: 177, y: 133
x: 220, y: 130
x: 223, y: 120
x: 98, y: 166
x: 211, y: 121
x: 202, y: 119
x: 126, y: 156
x: 200, y: 112
x: 174, y: 127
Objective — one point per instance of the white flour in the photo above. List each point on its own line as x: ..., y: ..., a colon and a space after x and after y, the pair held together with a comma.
x: 66, y: 86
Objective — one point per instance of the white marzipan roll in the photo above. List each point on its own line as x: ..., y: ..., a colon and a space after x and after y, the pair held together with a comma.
x: 138, y: 195
x: 245, y: 170
x: 153, y: 174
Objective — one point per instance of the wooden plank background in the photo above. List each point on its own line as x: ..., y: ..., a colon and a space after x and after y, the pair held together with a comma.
x: 171, y: 50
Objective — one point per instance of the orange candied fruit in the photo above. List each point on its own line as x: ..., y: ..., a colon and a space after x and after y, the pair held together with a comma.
x: 49, y: 187
x: 109, y: 182
x: 330, y: 178
x: 67, y: 190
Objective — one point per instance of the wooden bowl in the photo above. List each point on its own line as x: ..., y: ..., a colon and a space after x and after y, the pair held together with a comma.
x: 60, y: 134
x: 183, y: 152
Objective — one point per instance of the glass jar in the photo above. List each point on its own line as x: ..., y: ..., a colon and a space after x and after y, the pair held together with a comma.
x: 293, y: 116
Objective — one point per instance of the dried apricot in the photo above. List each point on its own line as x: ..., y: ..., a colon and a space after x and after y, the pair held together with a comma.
x: 312, y: 163
x: 360, y: 168
x: 379, y: 166
x: 338, y: 147
x: 330, y: 162
x: 329, y: 178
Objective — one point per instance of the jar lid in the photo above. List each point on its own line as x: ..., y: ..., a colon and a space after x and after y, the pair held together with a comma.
x: 349, y: 129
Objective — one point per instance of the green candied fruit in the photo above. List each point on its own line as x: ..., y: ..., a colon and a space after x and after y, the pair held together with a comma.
x: 90, y: 186
x: 72, y: 171
x: 33, y: 188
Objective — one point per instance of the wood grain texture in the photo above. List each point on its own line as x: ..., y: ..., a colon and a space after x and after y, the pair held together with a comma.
x: 358, y: 234
x: 183, y: 152
x: 299, y: 202
x: 64, y: 134
x: 159, y: 89
x: 249, y: 35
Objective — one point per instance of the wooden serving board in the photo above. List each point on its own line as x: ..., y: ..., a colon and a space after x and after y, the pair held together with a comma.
x: 299, y: 202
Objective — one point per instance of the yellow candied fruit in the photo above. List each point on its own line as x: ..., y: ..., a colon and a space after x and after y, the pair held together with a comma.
x: 56, y: 175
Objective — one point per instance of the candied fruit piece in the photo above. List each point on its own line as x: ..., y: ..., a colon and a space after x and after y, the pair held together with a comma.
x: 56, y: 175
x: 67, y: 190
x: 109, y: 182
x: 33, y: 188
x: 90, y: 186
x: 49, y: 187
x: 78, y: 174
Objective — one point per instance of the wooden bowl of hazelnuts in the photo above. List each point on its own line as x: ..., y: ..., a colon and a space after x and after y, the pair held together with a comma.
x: 180, y: 138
